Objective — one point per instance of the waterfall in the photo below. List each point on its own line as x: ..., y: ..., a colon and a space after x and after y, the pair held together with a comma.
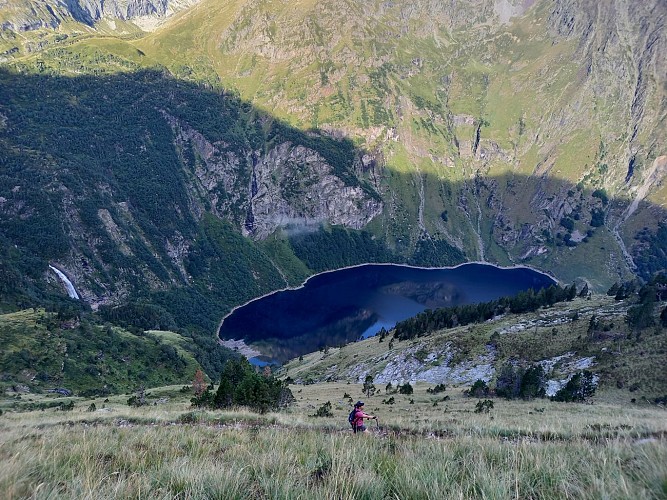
x: 71, y: 291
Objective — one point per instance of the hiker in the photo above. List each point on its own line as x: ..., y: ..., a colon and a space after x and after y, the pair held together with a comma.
x: 357, y: 417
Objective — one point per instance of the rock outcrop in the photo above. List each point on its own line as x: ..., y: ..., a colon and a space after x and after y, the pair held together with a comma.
x: 290, y: 187
x: 34, y: 15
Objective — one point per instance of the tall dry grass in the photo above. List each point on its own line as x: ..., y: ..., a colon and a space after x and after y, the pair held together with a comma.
x: 174, y: 452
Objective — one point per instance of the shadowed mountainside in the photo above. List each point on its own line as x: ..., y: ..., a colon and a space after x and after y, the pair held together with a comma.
x: 139, y: 185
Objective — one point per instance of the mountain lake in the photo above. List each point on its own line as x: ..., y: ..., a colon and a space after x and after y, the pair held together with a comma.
x: 342, y: 306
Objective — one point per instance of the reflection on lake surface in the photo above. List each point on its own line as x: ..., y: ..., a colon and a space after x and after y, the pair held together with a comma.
x: 342, y: 306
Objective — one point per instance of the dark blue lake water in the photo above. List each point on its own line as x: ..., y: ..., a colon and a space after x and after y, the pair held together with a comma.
x: 343, y: 306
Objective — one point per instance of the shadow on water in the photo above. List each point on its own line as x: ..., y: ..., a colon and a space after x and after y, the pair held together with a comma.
x: 336, y: 308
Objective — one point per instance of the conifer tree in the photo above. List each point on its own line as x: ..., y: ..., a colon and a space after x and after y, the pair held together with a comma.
x: 369, y: 388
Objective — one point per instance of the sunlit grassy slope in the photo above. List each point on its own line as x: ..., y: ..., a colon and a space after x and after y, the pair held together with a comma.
x: 422, y: 445
x: 417, y: 87
x: 419, y: 450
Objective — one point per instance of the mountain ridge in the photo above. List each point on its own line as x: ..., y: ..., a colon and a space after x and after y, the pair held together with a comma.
x: 32, y: 15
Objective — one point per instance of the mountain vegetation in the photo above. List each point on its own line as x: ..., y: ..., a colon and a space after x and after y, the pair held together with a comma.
x: 405, y: 134
x: 242, y: 385
x: 178, y: 439
x: 177, y: 158
x: 75, y: 353
x: 515, y: 355
x: 449, y: 317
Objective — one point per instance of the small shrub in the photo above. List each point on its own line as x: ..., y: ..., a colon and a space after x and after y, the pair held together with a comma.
x: 190, y: 418
x: 567, y: 223
x: 478, y: 389
x: 437, y: 389
x: 66, y: 406
x: 421, y: 355
x: 601, y: 194
x: 369, y: 387
x: 405, y: 389
x: 533, y: 383
x: 205, y: 399
x: 321, y: 467
x: 198, y: 383
x: 389, y: 401
x: 484, y: 406
x: 139, y: 399
x: 508, y: 381
x: 324, y: 410
x: 92, y: 407
x: 597, y: 217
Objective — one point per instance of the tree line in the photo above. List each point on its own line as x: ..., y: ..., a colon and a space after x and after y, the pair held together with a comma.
x: 450, y: 317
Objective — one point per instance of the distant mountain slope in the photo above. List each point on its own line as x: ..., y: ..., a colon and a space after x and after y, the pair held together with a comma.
x: 473, y: 94
x: 108, y: 176
x: 185, y: 165
x: 31, y: 15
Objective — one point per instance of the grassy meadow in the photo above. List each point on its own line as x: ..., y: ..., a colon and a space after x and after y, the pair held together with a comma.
x: 421, y: 447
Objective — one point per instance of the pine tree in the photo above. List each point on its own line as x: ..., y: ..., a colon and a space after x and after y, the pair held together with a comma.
x: 533, y: 383
x: 578, y: 388
x: 369, y: 388
x: 405, y: 389
x: 508, y: 381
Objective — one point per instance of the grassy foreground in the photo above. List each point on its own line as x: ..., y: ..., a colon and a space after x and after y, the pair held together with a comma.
x: 535, y: 449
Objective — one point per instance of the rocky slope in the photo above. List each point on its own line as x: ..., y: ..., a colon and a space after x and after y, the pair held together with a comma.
x: 560, y: 339
x: 290, y: 186
x: 31, y: 15
x: 506, y: 116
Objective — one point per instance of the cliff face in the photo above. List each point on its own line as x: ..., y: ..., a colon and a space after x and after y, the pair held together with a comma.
x: 31, y: 15
x: 287, y: 187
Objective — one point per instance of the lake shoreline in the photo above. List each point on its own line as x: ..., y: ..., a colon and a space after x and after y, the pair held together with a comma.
x: 388, y: 264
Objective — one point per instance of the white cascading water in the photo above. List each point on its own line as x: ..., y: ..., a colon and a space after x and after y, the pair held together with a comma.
x: 71, y: 291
